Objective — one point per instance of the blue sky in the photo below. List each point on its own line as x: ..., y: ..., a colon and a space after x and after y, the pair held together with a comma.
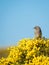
x: 18, y: 17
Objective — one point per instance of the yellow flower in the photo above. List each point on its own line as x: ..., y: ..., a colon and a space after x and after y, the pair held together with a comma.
x: 28, y: 52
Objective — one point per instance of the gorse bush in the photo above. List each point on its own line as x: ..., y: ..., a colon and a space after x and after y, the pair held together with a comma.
x: 28, y: 52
